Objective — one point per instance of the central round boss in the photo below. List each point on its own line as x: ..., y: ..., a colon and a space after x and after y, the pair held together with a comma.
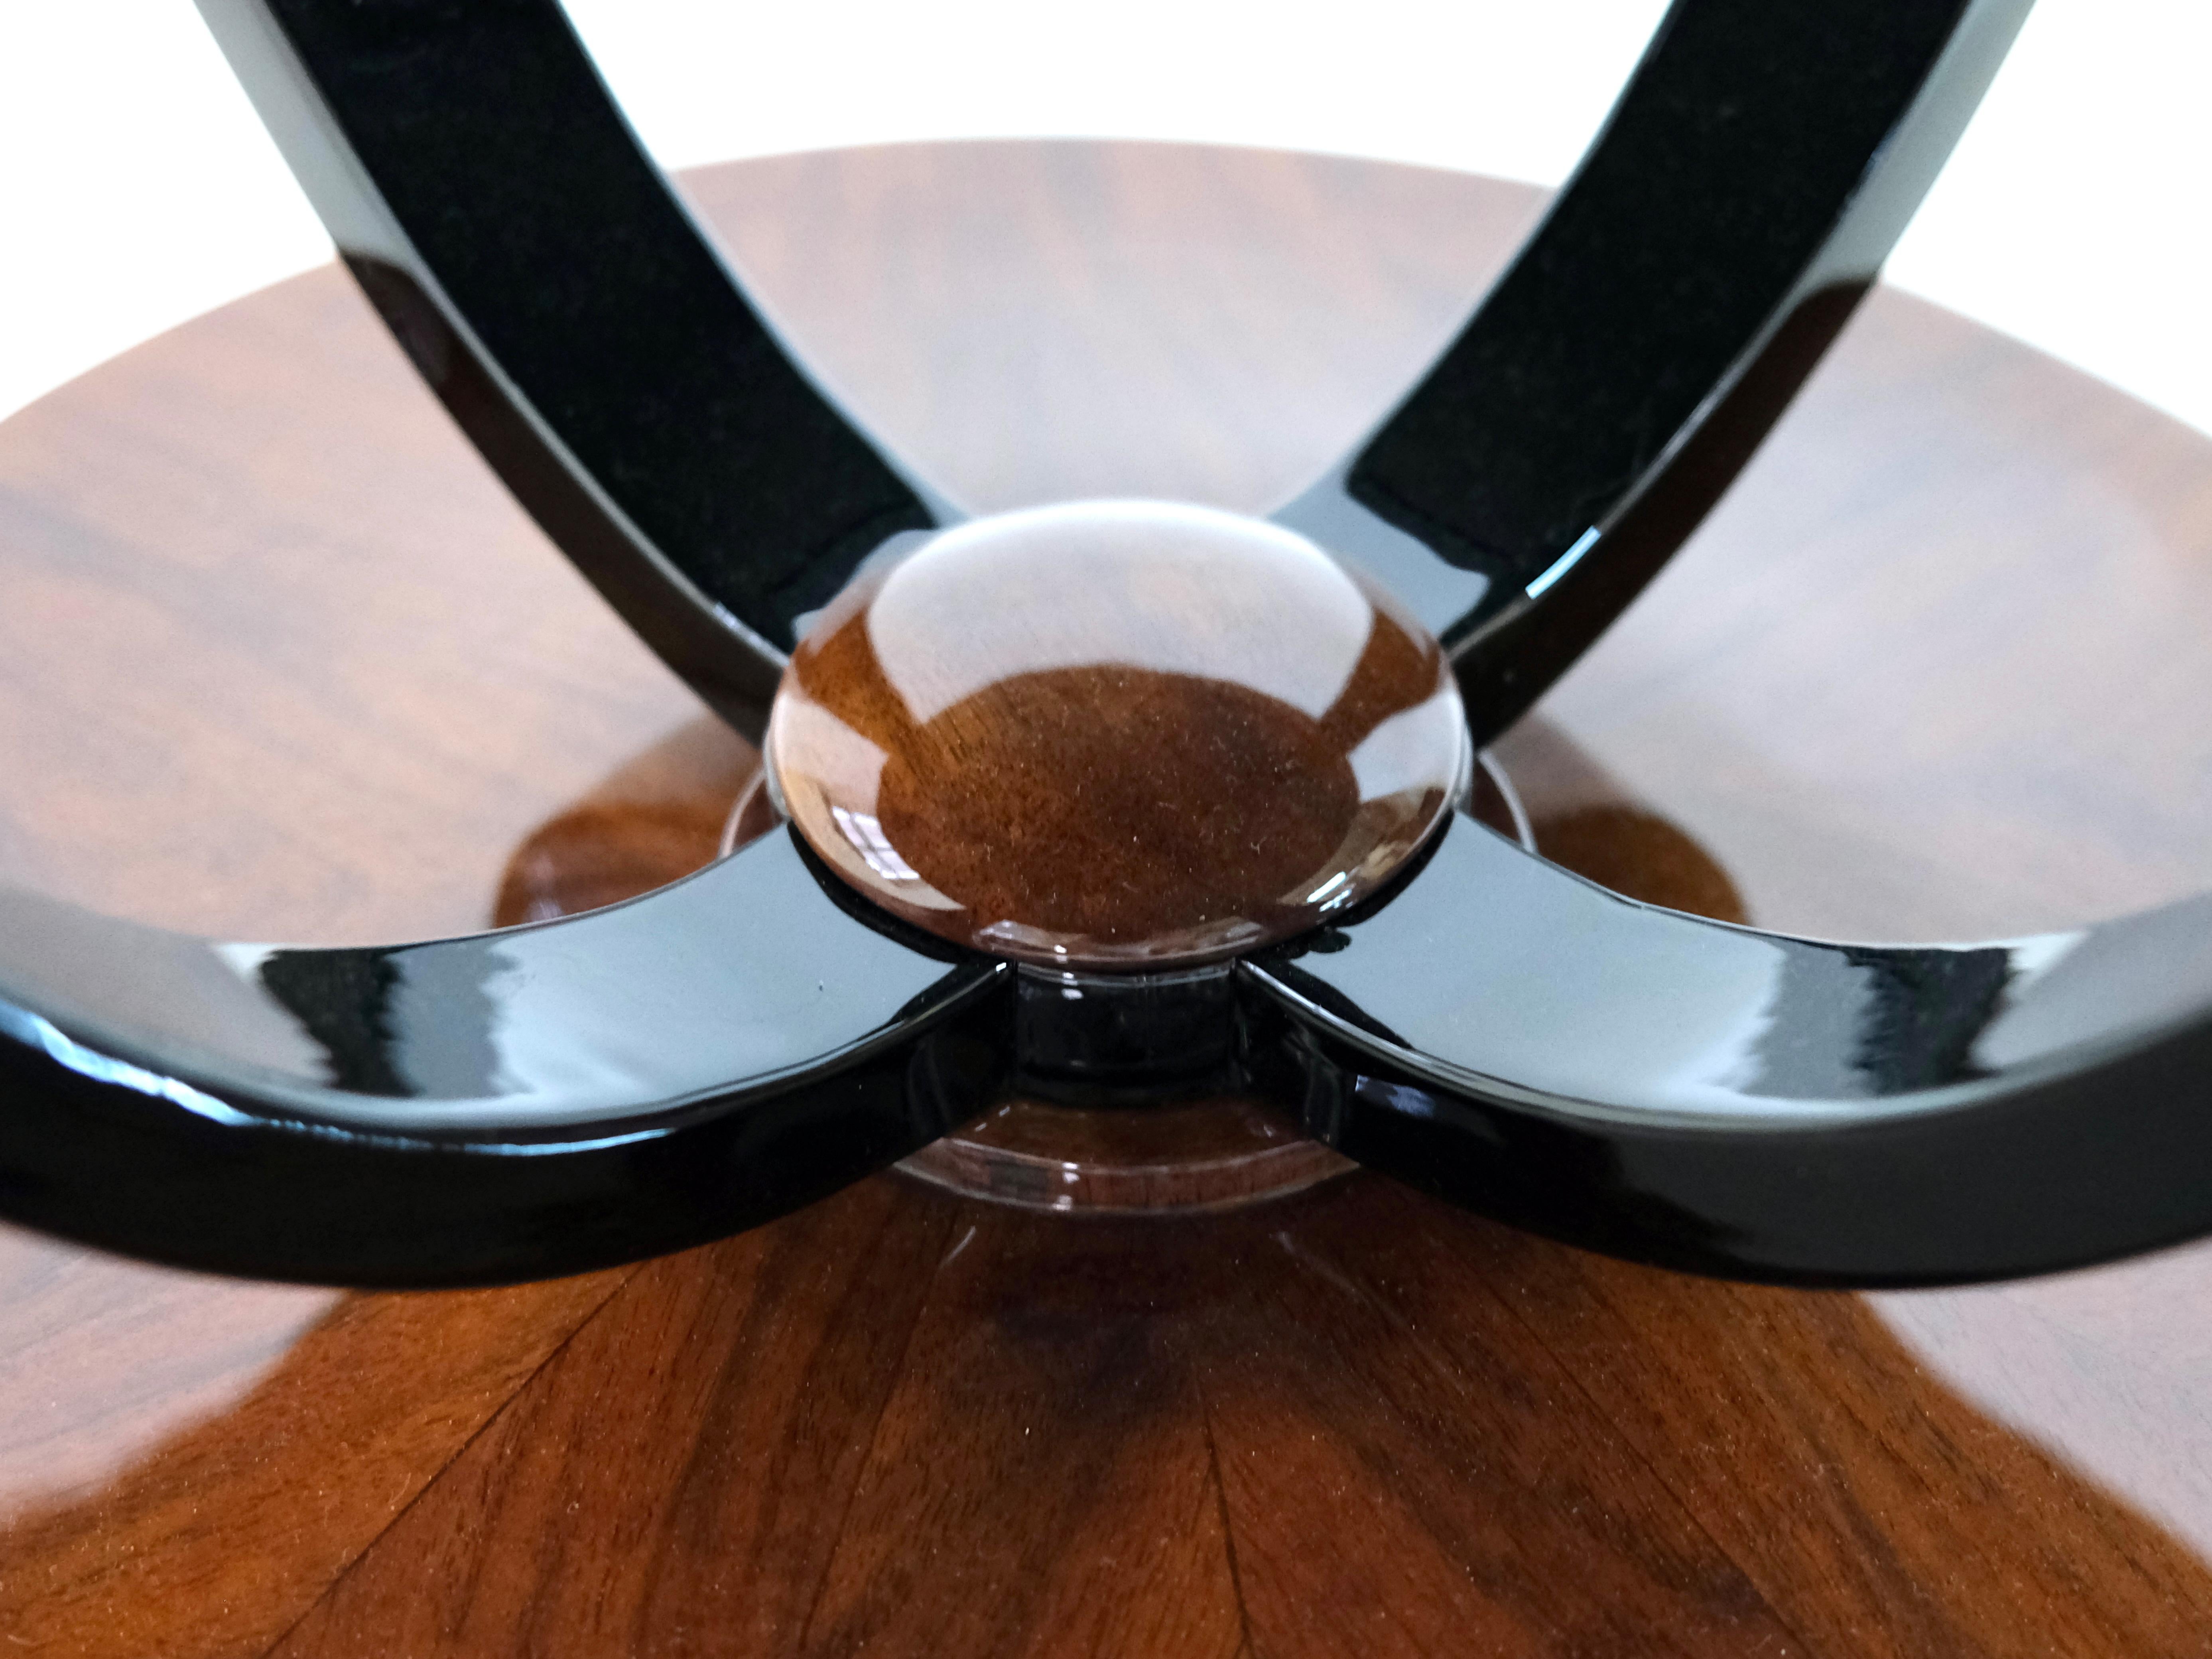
x: 1116, y: 734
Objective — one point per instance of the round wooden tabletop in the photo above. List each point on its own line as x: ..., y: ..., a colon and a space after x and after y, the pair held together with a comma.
x: 279, y: 660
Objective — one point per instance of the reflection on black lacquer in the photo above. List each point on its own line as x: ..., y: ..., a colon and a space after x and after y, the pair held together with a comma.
x: 515, y: 1103
x: 626, y: 1081
x: 1749, y: 1104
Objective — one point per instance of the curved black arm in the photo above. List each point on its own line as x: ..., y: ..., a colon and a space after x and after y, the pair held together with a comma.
x: 510, y: 1105
x: 1729, y: 1101
x: 1745, y: 189
x: 1631, y: 1078
x: 482, y: 186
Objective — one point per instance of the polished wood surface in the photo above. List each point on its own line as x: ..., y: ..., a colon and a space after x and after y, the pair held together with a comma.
x: 1116, y: 734
x: 281, y: 661
x: 225, y: 1520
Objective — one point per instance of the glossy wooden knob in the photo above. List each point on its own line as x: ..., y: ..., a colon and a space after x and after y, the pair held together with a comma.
x: 1116, y: 734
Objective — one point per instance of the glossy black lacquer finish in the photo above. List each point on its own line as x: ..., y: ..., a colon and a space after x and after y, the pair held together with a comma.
x: 498, y: 212
x: 1755, y: 171
x: 1490, y: 1027
x: 1743, y: 193
x: 510, y: 1105
x: 1729, y: 1101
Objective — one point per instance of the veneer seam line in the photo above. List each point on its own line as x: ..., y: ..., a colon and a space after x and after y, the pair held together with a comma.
x: 438, y: 1473
x: 876, y: 1429
x: 1629, y: 1446
x: 1221, y: 1503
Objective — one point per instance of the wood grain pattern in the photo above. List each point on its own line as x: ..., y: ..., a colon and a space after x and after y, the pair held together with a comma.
x: 1356, y: 1420
x: 104, y: 1359
x: 218, y: 1538
x: 280, y: 661
x: 655, y: 818
x: 1113, y: 736
x: 718, y: 1415
x: 260, y: 677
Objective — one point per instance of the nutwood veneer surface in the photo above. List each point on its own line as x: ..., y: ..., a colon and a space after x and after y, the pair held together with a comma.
x: 1117, y: 735
x: 278, y: 659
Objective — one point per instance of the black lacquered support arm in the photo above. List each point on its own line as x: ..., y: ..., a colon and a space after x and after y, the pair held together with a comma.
x: 1728, y: 1101
x: 499, y: 212
x: 1749, y: 182
x: 512, y: 1105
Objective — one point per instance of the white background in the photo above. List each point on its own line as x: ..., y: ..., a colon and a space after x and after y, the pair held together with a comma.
x: 137, y: 188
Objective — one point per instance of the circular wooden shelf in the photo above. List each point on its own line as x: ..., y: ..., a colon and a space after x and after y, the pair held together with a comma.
x: 283, y: 661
